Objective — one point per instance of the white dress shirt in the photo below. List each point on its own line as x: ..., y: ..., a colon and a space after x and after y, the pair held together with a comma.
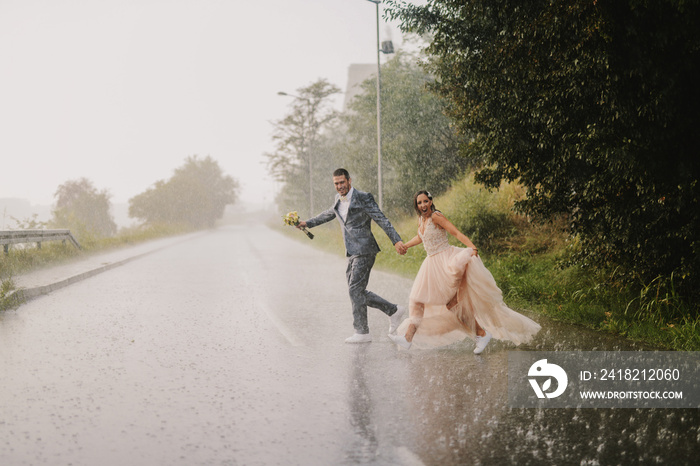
x: 344, y: 205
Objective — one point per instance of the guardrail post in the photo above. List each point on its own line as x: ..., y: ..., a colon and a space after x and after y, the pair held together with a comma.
x: 35, y: 236
x: 73, y: 240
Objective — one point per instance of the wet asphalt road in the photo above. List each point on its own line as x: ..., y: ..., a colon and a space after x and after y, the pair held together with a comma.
x: 228, y: 349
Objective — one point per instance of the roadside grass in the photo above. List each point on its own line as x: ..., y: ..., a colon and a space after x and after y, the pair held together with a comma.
x: 531, y: 265
x: 27, y: 257
x: 597, y: 300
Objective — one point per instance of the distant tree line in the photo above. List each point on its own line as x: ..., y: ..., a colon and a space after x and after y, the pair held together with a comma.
x: 592, y: 106
x: 194, y: 197
x: 83, y: 209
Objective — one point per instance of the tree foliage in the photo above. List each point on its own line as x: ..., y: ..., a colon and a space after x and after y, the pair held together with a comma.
x: 299, y: 161
x: 195, y: 196
x: 83, y: 209
x: 420, y: 147
x: 593, y: 106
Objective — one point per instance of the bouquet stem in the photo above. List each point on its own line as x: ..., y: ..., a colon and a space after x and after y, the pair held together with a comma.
x: 292, y: 219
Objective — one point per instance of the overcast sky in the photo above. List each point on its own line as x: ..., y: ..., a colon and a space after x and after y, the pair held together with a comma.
x: 122, y: 91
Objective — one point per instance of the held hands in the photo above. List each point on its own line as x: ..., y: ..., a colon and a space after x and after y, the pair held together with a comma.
x: 301, y: 225
x: 400, y: 248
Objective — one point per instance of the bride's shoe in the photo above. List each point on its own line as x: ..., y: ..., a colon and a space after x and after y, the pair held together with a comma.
x: 400, y: 340
x: 481, y: 342
x: 403, y: 340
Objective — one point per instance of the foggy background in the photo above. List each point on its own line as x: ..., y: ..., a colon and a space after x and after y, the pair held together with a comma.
x: 122, y: 91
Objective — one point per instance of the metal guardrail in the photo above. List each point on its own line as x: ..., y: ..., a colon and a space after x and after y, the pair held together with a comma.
x: 8, y: 237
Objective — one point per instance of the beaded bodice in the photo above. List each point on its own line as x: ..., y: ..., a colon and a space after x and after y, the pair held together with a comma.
x: 434, y: 238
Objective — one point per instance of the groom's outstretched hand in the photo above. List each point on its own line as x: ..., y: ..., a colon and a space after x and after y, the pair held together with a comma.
x: 400, y: 247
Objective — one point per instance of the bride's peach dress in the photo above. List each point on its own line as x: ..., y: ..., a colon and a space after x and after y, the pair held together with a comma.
x: 448, y: 271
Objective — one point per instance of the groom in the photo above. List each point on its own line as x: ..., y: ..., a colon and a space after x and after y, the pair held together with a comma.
x: 355, y: 211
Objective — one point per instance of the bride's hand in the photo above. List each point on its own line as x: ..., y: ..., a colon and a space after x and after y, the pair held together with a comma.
x: 401, y: 248
x: 475, y: 252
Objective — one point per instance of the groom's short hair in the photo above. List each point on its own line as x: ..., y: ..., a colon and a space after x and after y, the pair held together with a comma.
x: 342, y: 172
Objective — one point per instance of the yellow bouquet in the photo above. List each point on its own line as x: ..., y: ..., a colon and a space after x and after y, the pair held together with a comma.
x: 292, y: 219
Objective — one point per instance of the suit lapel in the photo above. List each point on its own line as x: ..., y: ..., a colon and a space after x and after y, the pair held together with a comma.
x: 337, y: 211
x: 353, y: 200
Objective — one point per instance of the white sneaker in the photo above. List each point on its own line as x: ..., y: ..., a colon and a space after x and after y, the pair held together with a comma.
x: 481, y: 342
x: 396, y: 318
x: 400, y: 340
x: 359, y: 338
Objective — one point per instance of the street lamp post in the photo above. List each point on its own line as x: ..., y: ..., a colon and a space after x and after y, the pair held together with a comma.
x: 386, y: 47
x: 308, y: 152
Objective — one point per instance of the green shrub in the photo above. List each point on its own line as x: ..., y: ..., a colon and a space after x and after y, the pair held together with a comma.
x: 484, y: 216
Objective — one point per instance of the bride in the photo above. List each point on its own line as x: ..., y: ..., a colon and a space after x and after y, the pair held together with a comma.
x: 454, y: 295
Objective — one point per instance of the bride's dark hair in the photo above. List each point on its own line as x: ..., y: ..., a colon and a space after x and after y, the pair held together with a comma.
x: 415, y: 201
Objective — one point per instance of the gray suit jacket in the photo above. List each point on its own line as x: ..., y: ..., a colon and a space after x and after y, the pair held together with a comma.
x: 357, y: 231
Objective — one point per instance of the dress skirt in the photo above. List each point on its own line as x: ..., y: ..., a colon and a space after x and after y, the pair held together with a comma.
x: 456, y: 272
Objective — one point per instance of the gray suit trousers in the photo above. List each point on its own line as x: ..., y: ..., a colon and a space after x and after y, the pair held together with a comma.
x: 359, y: 268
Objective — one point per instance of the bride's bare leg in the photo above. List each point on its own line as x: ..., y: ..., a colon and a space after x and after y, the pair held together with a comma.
x: 455, y: 299
x: 415, y: 312
x: 479, y: 330
x: 410, y: 332
x: 452, y: 303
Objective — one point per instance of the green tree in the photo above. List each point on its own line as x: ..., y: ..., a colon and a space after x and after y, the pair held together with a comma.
x: 593, y: 106
x: 195, y: 196
x: 298, y: 156
x: 327, y: 158
x: 83, y: 209
x: 420, y: 146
